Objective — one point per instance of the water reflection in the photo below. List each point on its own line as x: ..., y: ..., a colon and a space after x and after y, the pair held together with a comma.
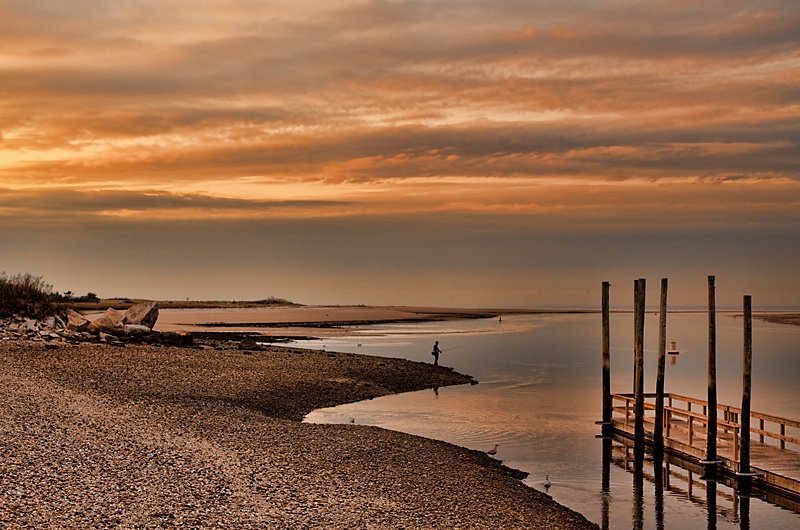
x: 726, y: 501
x: 658, y: 467
x: 711, y: 504
x: 638, y: 490
x: 744, y: 513
x: 605, y: 492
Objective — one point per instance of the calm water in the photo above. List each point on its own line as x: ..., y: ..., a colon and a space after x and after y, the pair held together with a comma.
x: 540, y: 395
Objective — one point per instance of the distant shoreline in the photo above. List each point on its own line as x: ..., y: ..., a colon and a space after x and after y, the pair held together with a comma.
x: 298, y: 319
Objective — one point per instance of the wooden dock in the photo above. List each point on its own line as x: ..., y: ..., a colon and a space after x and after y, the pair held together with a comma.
x: 774, y: 441
x: 751, y: 449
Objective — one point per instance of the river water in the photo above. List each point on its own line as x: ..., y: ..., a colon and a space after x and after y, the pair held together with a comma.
x: 540, y: 395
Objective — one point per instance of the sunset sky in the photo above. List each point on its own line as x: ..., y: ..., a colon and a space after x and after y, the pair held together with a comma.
x: 451, y: 152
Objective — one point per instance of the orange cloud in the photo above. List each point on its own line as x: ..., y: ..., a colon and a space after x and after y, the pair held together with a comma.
x: 576, y: 117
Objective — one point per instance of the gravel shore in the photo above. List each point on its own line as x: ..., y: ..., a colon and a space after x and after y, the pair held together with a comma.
x: 97, y: 436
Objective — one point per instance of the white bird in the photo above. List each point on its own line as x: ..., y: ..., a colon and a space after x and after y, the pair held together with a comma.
x: 547, y: 483
x: 492, y: 451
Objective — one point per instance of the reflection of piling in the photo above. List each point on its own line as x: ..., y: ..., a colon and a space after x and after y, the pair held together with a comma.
x: 658, y: 429
x: 711, y: 505
x: 711, y: 446
x: 658, y: 477
x: 744, y: 513
x: 638, y: 489
x: 606, y: 360
x: 638, y: 376
x: 606, y: 484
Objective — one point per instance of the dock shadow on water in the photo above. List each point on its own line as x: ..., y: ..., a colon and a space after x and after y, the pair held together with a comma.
x: 539, y: 399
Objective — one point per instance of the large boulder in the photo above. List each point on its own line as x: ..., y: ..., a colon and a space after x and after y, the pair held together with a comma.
x: 145, y: 314
x: 76, y: 321
x: 110, y: 322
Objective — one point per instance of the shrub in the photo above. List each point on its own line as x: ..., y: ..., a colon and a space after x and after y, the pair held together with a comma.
x: 26, y: 295
x: 69, y: 297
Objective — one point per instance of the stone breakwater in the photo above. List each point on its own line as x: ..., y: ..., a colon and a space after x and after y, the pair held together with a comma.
x: 112, y: 327
x: 149, y: 436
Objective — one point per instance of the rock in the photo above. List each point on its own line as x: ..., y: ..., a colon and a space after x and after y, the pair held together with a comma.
x: 142, y: 315
x: 106, y: 337
x: 248, y: 344
x: 135, y: 330
x: 110, y: 322
x: 76, y: 321
x: 177, y: 338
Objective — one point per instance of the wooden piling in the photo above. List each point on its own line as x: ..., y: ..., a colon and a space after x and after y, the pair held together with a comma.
x: 711, y: 447
x: 658, y: 429
x: 606, y: 358
x: 744, y: 435
x: 636, y: 315
x: 639, y: 300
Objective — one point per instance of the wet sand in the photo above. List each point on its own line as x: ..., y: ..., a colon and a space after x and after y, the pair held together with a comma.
x: 97, y: 436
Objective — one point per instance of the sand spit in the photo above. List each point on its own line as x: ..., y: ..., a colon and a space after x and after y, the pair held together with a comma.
x: 318, y: 321
x: 792, y: 319
x: 97, y: 436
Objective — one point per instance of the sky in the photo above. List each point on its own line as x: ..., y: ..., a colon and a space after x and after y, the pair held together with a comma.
x: 444, y: 152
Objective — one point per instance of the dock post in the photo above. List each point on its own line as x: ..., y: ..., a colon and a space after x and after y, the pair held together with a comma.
x: 658, y: 431
x: 744, y: 420
x: 606, y: 360
x: 639, y: 301
x: 711, y: 439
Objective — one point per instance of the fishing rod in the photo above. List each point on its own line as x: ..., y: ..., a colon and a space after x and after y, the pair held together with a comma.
x: 453, y: 348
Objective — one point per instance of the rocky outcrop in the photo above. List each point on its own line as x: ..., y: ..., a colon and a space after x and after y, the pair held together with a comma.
x: 112, y: 327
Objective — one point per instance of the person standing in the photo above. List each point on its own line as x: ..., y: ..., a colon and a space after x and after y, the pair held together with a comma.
x: 436, y: 351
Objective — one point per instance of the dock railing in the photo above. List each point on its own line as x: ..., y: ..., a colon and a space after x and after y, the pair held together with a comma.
x: 686, y: 421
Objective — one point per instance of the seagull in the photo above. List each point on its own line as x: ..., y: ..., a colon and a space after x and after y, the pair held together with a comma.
x: 352, y: 420
x: 547, y: 481
x: 492, y: 452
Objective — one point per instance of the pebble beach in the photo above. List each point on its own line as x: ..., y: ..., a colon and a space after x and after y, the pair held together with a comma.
x: 148, y: 436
